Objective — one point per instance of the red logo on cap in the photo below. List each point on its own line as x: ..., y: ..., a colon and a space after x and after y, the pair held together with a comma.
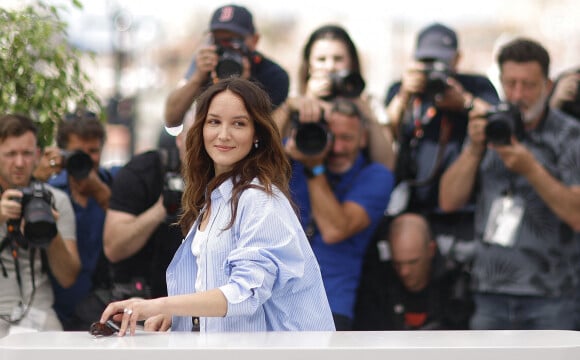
x: 227, y: 14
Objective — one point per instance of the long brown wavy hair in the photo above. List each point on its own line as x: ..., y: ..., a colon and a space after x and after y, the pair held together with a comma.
x: 268, y: 162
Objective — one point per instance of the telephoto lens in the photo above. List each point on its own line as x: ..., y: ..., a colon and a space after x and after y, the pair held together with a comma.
x: 311, y: 138
x: 78, y: 164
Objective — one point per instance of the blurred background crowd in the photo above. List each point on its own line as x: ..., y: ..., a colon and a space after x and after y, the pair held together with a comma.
x: 141, y: 49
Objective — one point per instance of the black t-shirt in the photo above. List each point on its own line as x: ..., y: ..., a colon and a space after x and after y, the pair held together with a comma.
x: 137, y: 186
x: 273, y: 78
x: 419, y: 162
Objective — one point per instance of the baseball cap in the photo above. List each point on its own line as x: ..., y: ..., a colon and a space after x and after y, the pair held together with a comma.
x: 233, y: 18
x: 436, y: 41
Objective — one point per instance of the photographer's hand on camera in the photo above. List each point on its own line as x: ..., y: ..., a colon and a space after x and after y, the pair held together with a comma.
x: 412, y: 83
x: 309, y: 109
x: 517, y: 158
x: 10, y: 207
x: 566, y: 90
x: 454, y: 98
x: 319, y: 84
x: 206, y: 60
x: 413, y: 80
x: 50, y: 164
x: 476, y: 133
x: 90, y: 187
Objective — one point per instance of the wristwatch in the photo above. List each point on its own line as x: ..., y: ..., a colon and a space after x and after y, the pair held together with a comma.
x: 315, y: 171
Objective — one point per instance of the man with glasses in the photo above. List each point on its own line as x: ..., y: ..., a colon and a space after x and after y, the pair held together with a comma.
x: 528, y: 208
x: 230, y: 50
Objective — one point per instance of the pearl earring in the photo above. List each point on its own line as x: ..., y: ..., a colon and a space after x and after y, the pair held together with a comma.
x: 256, y: 144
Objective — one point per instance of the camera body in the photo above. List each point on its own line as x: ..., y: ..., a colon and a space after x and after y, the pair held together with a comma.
x: 173, y: 187
x: 40, y: 224
x: 173, y: 184
x: 436, y: 75
x: 345, y: 84
x: 231, y: 54
x: 503, y: 121
x: 311, y: 138
x: 77, y: 163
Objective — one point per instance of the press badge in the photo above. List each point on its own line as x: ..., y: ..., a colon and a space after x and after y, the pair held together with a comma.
x: 504, y: 220
x: 399, y: 199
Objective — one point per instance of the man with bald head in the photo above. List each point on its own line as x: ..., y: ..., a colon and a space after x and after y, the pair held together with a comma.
x: 412, y: 250
x: 414, y: 286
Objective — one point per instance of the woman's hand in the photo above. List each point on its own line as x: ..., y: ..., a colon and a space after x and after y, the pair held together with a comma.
x: 158, y: 323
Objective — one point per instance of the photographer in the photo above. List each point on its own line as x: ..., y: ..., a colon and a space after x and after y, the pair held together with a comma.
x: 230, y: 50
x: 330, y: 68
x: 140, y: 235
x: 528, y: 204
x: 428, y: 111
x: 420, y: 285
x: 341, y: 197
x: 566, y: 93
x: 37, y: 232
x: 77, y: 171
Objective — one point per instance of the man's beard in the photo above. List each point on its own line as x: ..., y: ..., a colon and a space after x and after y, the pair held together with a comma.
x: 534, y: 111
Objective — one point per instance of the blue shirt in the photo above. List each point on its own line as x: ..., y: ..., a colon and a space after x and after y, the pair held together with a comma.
x: 263, y: 265
x: 89, y: 233
x: 370, y: 186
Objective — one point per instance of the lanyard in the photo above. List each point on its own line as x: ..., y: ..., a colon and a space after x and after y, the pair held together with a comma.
x: 444, y: 134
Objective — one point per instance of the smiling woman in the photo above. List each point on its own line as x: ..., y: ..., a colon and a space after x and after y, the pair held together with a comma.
x: 245, y: 263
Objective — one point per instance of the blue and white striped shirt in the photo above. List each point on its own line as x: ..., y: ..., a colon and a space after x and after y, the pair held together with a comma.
x: 263, y: 264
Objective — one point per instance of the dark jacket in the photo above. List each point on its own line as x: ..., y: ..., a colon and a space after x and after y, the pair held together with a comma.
x: 383, y: 302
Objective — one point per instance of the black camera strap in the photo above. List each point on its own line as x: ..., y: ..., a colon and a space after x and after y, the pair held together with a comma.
x: 10, y: 239
x: 445, y: 130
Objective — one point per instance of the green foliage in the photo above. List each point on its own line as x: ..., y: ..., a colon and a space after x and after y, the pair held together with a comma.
x: 40, y: 74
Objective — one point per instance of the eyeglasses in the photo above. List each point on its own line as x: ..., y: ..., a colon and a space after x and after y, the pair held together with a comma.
x: 107, y: 329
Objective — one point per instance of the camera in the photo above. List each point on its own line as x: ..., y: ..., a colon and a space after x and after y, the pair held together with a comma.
x: 40, y: 224
x: 503, y: 121
x: 311, y: 138
x: 173, y: 185
x: 436, y: 75
x: 231, y: 54
x: 346, y: 84
x: 77, y: 163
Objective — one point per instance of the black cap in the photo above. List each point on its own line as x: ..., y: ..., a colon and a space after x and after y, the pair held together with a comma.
x: 233, y: 18
x: 436, y: 42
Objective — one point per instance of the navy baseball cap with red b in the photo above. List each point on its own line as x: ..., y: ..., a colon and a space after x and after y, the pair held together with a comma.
x: 234, y: 18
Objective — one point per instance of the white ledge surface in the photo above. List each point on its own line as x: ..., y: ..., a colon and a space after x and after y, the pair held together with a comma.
x: 388, y: 345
